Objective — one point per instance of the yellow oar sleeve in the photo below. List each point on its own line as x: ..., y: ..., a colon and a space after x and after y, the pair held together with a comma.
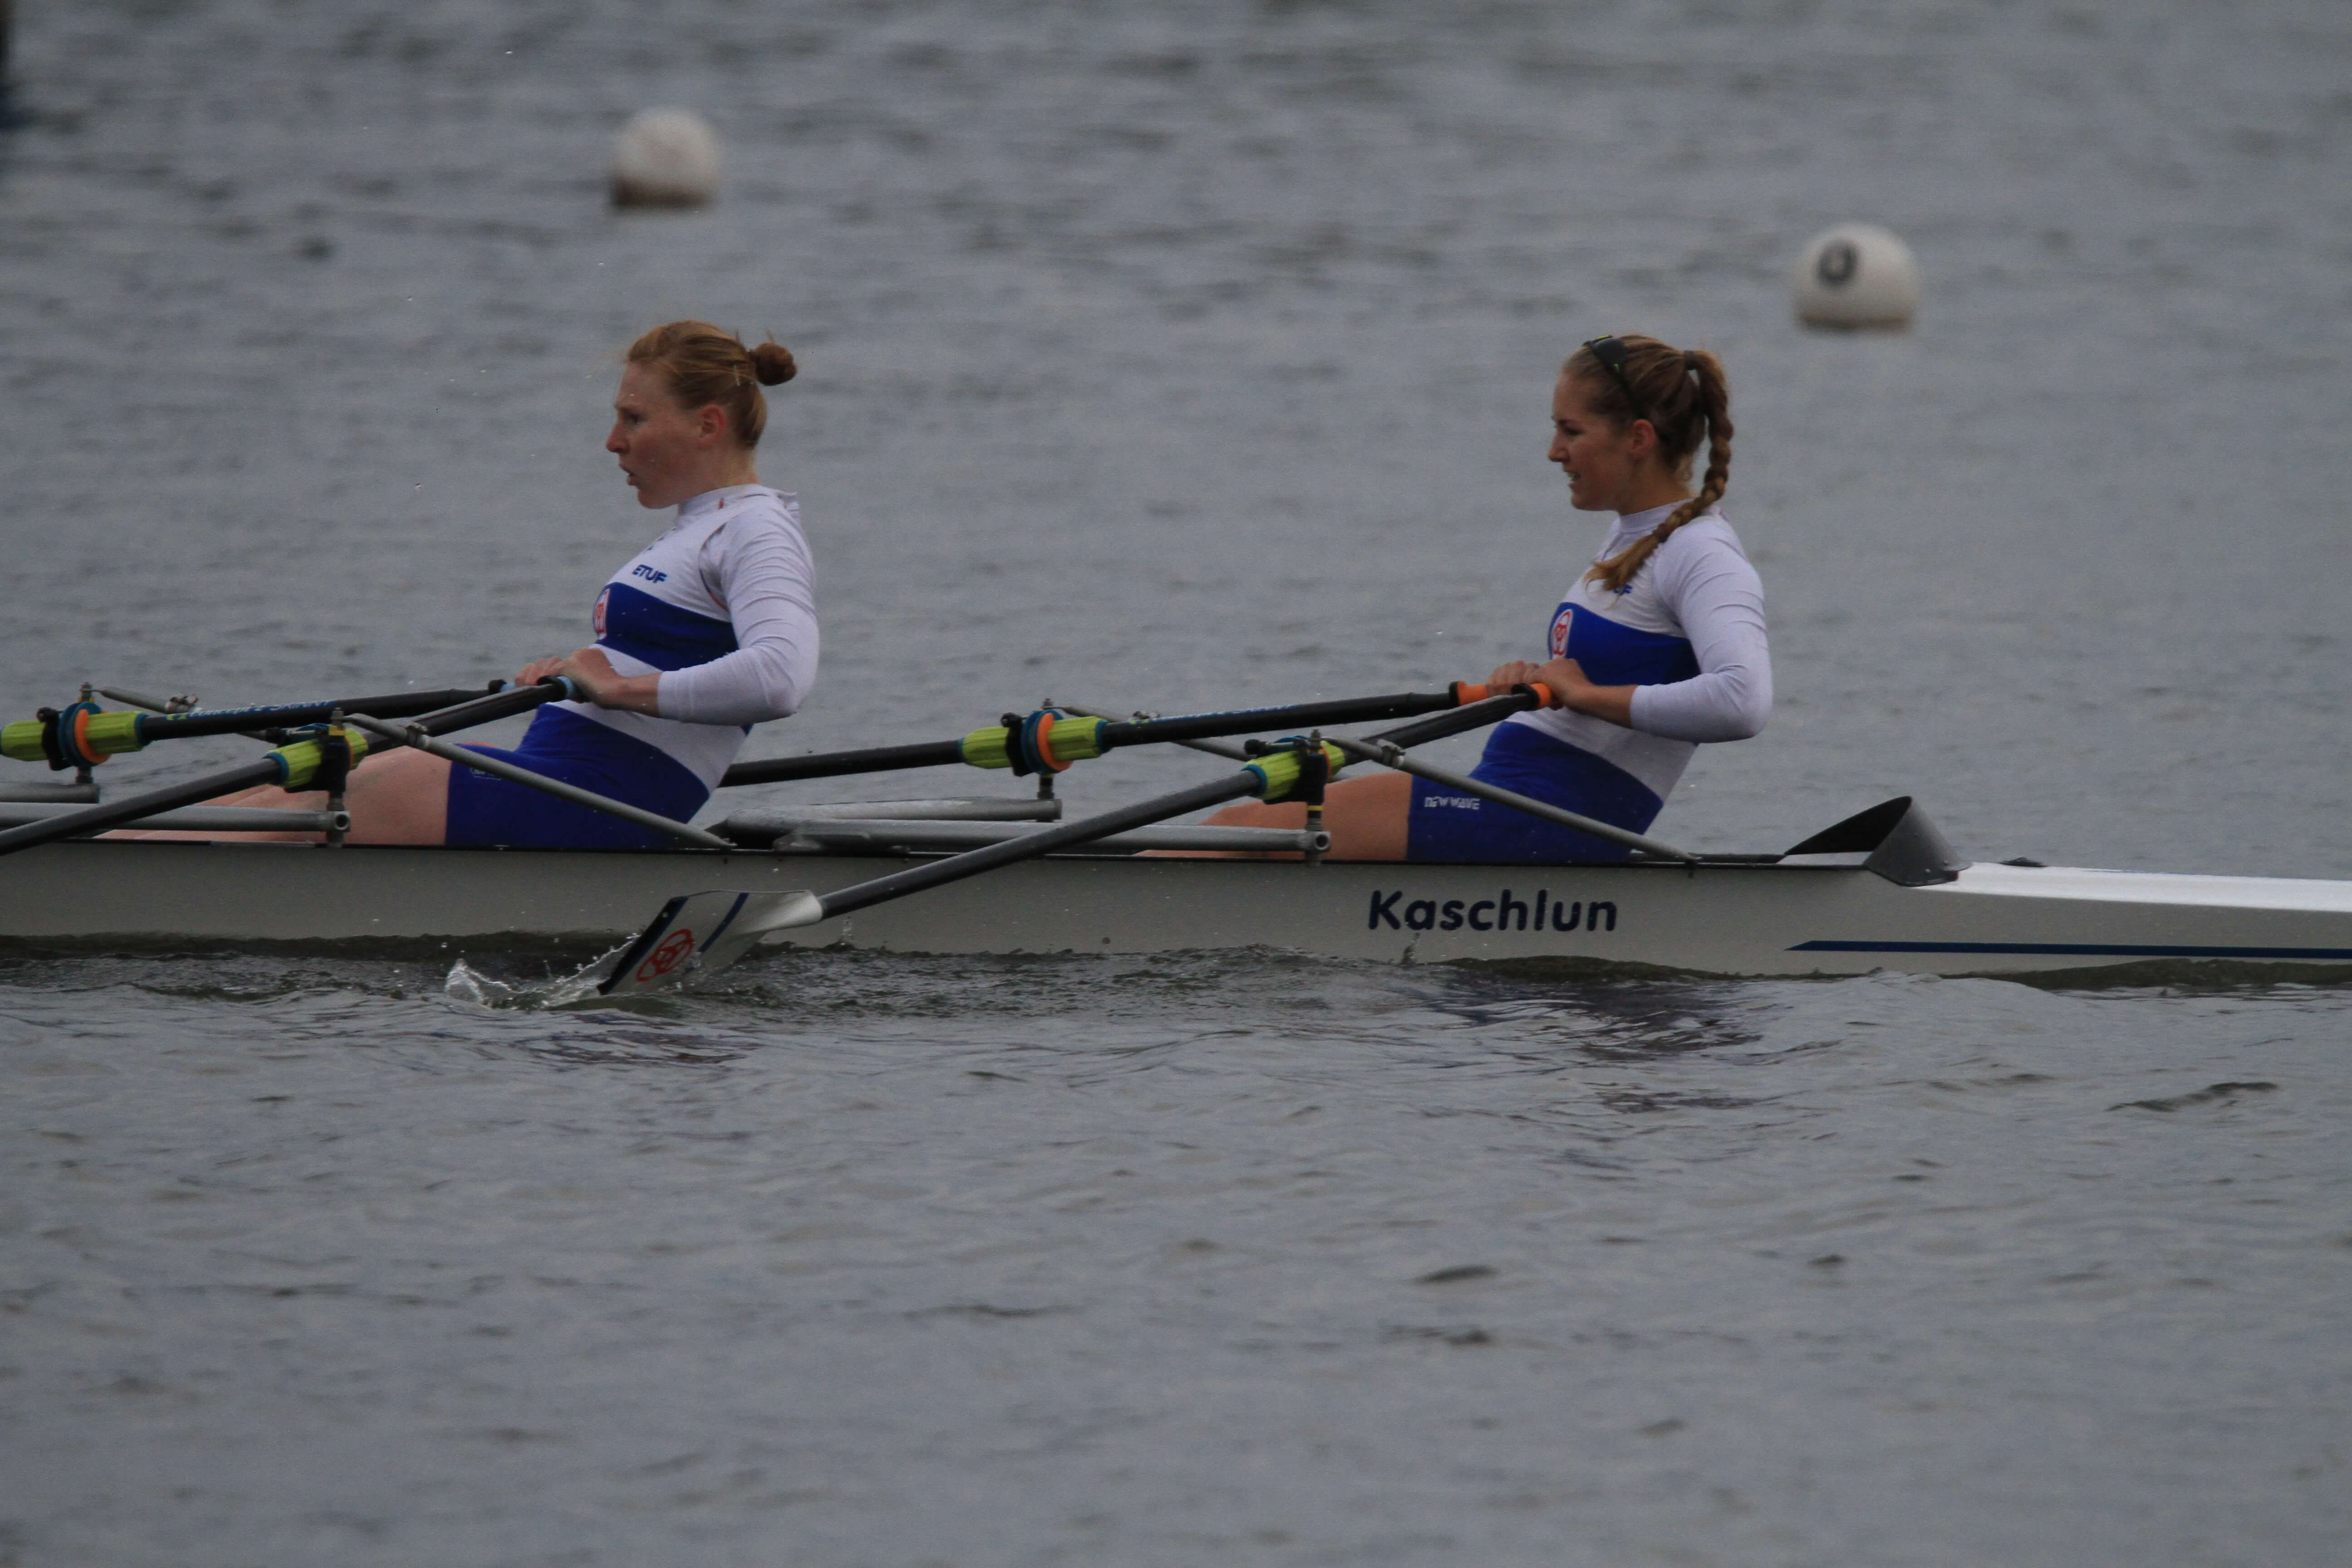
x: 298, y: 763
x: 1045, y: 742
x: 95, y: 736
x: 1280, y: 771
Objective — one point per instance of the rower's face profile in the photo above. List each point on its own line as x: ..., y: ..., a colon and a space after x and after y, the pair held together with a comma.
x: 1603, y: 463
x: 667, y: 451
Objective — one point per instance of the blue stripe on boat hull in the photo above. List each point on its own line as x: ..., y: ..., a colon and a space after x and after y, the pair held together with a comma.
x: 2086, y: 950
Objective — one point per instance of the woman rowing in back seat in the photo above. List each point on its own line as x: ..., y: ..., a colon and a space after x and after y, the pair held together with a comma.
x: 1658, y: 646
x: 709, y: 629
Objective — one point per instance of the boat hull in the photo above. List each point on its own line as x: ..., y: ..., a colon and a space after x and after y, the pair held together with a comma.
x: 1713, y: 918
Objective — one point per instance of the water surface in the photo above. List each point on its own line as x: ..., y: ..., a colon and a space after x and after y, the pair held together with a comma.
x: 1177, y: 356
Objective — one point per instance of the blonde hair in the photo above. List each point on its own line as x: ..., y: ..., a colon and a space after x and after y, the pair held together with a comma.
x: 1684, y: 395
x: 702, y: 365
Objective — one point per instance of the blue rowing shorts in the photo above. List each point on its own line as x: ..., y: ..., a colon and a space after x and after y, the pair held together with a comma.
x: 1448, y: 825
x: 582, y: 752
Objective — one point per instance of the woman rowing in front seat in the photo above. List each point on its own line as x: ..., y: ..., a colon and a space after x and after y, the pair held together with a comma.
x: 709, y: 629
x: 1658, y: 646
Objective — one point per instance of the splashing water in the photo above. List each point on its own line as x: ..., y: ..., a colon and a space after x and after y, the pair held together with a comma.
x: 467, y: 983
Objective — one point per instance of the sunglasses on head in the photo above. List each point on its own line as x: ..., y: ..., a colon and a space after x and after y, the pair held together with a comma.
x: 1611, y: 353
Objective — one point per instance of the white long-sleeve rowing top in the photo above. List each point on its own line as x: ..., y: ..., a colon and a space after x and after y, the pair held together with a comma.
x: 1688, y: 633
x: 724, y: 606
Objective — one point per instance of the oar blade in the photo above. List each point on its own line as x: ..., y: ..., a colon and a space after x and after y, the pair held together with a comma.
x: 701, y: 933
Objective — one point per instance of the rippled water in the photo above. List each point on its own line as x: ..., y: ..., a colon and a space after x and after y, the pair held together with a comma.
x: 1179, y: 356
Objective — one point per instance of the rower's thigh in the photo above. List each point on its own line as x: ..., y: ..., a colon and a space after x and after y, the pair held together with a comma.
x: 399, y: 797
x: 1367, y: 818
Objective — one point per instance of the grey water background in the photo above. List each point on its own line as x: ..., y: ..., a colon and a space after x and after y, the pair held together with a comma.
x: 1187, y: 355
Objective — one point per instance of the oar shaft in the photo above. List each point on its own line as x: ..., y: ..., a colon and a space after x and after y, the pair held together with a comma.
x: 82, y: 735
x: 114, y: 812
x: 702, y: 933
x: 972, y: 862
x: 155, y: 727
x: 489, y: 708
x: 833, y: 764
x: 1471, y: 716
x: 1249, y: 721
x: 1126, y: 732
x: 1486, y: 711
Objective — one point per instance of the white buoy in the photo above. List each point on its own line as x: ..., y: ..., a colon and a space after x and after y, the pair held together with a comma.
x: 1857, y: 276
x: 666, y: 158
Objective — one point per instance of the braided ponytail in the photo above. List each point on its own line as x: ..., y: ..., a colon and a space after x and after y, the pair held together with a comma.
x: 1683, y: 393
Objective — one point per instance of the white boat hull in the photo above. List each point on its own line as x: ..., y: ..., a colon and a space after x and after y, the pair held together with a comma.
x: 1714, y: 918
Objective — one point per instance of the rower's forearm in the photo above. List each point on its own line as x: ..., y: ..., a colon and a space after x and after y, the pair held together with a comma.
x: 632, y: 693
x: 1614, y: 703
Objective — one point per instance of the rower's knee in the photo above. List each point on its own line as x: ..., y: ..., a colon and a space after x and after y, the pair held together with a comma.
x: 401, y: 797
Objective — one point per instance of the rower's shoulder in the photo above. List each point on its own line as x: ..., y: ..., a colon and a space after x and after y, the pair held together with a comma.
x: 758, y: 502
x: 759, y: 533
x: 755, y: 510
x: 1709, y: 533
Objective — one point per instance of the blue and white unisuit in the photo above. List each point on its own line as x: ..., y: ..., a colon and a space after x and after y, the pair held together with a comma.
x: 1689, y: 634
x: 724, y: 606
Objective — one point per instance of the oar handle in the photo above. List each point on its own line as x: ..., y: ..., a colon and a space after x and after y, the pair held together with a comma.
x: 496, y: 706
x: 155, y: 727
x: 1466, y: 694
x: 1297, y: 716
x: 1472, y: 716
x: 832, y: 764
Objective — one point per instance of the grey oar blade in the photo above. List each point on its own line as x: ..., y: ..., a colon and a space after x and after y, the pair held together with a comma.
x: 702, y: 933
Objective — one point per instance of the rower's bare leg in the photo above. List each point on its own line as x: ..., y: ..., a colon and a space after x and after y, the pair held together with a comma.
x: 395, y: 797
x: 1365, y: 816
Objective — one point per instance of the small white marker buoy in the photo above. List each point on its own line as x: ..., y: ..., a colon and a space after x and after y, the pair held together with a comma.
x: 665, y: 158
x: 1857, y: 276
